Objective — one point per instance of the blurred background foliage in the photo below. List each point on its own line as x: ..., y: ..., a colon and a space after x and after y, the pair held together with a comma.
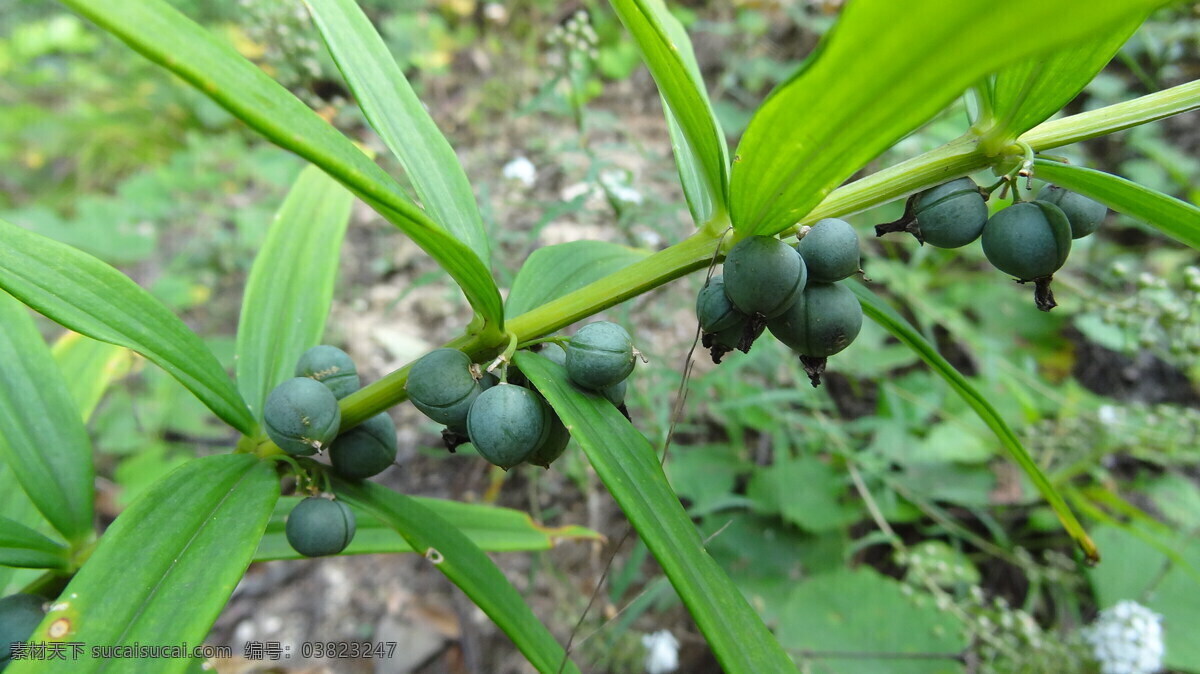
x: 873, y: 515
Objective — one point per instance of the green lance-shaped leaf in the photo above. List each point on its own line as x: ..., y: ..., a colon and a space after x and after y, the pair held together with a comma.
x: 629, y: 467
x: 167, y: 37
x: 490, y: 528
x: 23, y: 547
x: 16, y: 506
x: 397, y: 115
x: 42, y: 438
x: 90, y: 297
x: 290, y: 288
x: 879, y: 311
x: 1177, y: 219
x: 700, y: 151
x: 1028, y: 92
x: 93, y: 365
x: 554, y: 271
x: 165, y: 568
x: 468, y: 567
x: 846, y: 105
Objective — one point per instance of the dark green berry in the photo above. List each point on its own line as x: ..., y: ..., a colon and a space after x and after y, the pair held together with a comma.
x: 947, y: 216
x: 555, y: 441
x: 317, y: 527
x: 616, y: 393
x: 951, y: 215
x: 554, y: 352
x: 830, y: 251
x: 506, y: 424
x: 1084, y: 214
x: 713, y: 308
x: 332, y: 367
x: 600, y: 355
x: 721, y: 343
x: 824, y: 321
x: 763, y: 276
x: 441, y: 385
x: 365, y: 450
x: 20, y: 614
x: 1028, y: 240
x: 1031, y: 241
x: 301, y: 415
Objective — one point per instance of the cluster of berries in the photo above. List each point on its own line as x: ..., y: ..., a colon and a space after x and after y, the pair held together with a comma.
x: 791, y: 290
x: 302, y: 416
x: 508, y: 422
x: 1029, y: 240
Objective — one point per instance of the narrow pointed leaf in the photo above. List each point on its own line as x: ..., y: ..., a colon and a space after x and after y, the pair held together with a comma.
x: 879, y: 311
x: 397, y: 115
x: 1177, y: 219
x: 23, y: 547
x: 700, y: 151
x: 846, y: 105
x: 1028, y: 92
x: 166, y: 566
x: 553, y: 271
x: 490, y: 528
x: 465, y: 565
x: 93, y: 365
x: 16, y: 506
x: 162, y: 34
x: 290, y: 288
x: 42, y: 439
x: 86, y: 295
x: 630, y: 468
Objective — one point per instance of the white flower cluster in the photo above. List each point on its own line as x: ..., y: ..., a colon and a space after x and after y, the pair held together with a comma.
x: 576, y: 35
x: 521, y: 170
x: 662, y: 652
x: 1127, y: 639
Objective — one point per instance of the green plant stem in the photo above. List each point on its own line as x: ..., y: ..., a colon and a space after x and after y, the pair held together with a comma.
x: 694, y: 252
x: 955, y: 159
x: 1116, y: 117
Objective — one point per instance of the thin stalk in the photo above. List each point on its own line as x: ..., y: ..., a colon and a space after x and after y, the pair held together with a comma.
x: 1116, y: 117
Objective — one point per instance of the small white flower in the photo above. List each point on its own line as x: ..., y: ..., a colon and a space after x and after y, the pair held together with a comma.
x: 616, y: 183
x: 1127, y: 639
x: 521, y: 170
x: 1108, y: 415
x: 662, y: 652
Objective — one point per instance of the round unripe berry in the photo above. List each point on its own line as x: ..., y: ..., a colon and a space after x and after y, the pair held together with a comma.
x: 318, y: 526
x: 441, y: 385
x: 365, y: 450
x: 951, y: 215
x: 554, y: 352
x: 301, y: 415
x: 600, y: 355
x: 1084, y: 214
x: 713, y: 308
x: 616, y: 393
x: 332, y: 367
x: 20, y: 614
x: 555, y: 442
x: 825, y: 320
x: 830, y: 251
x: 763, y: 276
x: 506, y: 424
x: 1029, y: 240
